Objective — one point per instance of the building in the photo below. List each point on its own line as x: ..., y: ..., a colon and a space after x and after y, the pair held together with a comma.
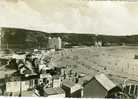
x: 54, y: 92
x: 72, y: 89
x: 1, y: 38
x: 29, y: 93
x: 54, y: 43
x: 98, y: 43
x: 58, y: 43
x: 131, y: 90
x: 2, y: 83
x: 98, y: 87
x: 56, y: 83
x: 13, y: 87
x: 45, y: 79
x: 19, y: 86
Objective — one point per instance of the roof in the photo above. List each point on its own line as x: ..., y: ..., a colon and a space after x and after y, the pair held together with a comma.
x: 16, y: 56
x: 27, y: 93
x: 6, y: 72
x: 73, y: 86
x: 105, y: 81
x: 68, y: 83
x: 54, y: 91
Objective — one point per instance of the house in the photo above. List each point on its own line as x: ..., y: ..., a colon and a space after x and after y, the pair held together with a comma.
x: 56, y: 83
x: 50, y: 44
x: 98, y: 87
x: 25, y: 85
x: 28, y: 93
x: 1, y: 36
x: 14, y: 94
x: 19, y: 86
x: 54, y: 92
x: 13, y: 86
x: 5, y: 77
x: 72, y: 89
x: 45, y: 79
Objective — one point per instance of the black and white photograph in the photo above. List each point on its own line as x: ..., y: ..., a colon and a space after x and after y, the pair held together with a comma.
x: 69, y: 49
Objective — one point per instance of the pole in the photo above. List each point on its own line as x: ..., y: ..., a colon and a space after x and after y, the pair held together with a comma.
x: 129, y: 89
x: 134, y: 91
x: 20, y: 89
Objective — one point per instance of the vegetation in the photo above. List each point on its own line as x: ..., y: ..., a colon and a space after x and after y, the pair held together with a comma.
x: 30, y: 39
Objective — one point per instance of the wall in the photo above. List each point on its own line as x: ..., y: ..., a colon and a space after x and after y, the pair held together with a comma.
x: 54, y: 43
x: 94, y: 89
x: 76, y: 94
x: 67, y: 90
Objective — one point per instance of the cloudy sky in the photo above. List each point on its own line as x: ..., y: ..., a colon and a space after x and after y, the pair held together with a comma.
x: 77, y: 16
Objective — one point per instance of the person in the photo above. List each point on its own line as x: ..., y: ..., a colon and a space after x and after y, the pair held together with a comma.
x: 20, y: 64
x: 28, y: 63
x: 35, y: 64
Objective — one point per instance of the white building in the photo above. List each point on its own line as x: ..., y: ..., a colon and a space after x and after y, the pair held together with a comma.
x: 58, y: 43
x: 50, y: 43
x: 56, y: 83
x: 54, y: 43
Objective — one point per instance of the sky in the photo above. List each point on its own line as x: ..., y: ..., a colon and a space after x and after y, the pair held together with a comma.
x: 71, y: 16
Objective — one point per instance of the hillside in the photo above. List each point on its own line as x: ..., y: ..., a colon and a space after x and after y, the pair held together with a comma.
x: 117, y: 62
x: 19, y: 38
